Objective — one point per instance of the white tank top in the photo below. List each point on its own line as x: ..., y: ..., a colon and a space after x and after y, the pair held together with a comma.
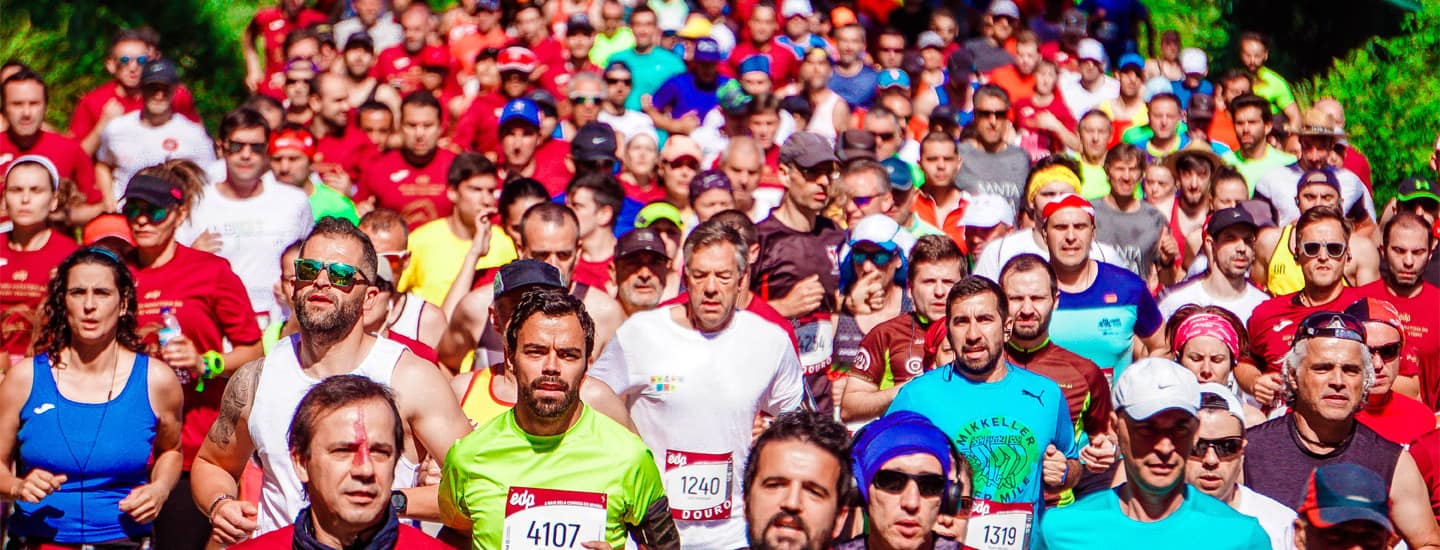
x: 408, y: 323
x: 822, y: 121
x: 282, y: 385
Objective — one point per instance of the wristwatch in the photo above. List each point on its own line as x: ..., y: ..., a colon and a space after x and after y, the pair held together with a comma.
x: 399, y: 502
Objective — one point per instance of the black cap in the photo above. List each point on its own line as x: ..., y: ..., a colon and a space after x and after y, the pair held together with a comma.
x: 1416, y: 188
x: 643, y: 239
x: 545, y: 102
x: 160, y: 71
x: 855, y: 145
x: 1227, y: 217
x: 594, y: 142
x: 521, y: 273
x: 360, y: 39
x: 579, y: 22
x: 155, y: 191
x: 1201, y: 106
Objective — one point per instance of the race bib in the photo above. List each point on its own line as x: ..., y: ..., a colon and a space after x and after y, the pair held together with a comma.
x: 995, y: 526
x: 817, y: 342
x: 698, y: 485
x: 547, y: 519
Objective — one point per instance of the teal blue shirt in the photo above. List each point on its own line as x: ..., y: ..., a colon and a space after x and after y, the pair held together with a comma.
x: 1201, y: 523
x: 648, y: 71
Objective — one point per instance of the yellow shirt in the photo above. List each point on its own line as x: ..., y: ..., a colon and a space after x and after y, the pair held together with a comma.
x: 436, y: 254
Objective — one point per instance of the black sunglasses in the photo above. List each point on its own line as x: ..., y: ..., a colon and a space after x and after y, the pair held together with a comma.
x: 824, y: 169
x: 612, y: 80
x: 891, y: 481
x: 1387, y: 352
x: 1311, y: 249
x: 979, y: 114
x: 234, y: 147
x: 134, y: 209
x: 1225, y: 447
x: 341, y: 274
x: 878, y: 257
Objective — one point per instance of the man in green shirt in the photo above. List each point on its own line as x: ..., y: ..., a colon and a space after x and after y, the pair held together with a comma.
x: 291, y: 151
x: 551, y: 472
x: 614, y: 35
x: 1255, y: 156
x: 1254, y: 52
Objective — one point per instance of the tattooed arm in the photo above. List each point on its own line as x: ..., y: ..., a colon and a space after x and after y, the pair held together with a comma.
x: 215, y: 474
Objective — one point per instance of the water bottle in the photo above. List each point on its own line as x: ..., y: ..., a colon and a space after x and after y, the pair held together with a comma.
x: 169, y: 331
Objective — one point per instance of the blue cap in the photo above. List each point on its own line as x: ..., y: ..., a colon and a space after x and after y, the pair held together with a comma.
x: 522, y: 110
x: 893, y: 78
x: 707, y: 50
x: 900, y: 177
x: 1337, y: 493
x: 1131, y: 59
x: 755, y: 63
x: 897, y: 434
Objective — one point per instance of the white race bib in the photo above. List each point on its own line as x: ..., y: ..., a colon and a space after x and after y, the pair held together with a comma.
x: 816, y: 335
x: 995, y: 526
x: 698, y: 485
x: 547, y: 519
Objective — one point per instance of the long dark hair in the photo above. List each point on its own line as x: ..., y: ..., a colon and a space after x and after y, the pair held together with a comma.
x: 54, y: 334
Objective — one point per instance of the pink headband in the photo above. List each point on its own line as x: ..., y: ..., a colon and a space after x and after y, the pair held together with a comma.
x: 1208, y: 324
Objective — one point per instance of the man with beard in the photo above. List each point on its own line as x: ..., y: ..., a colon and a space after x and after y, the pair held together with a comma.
x: 1230, y: 251
x: 1134, y: 227
x: 411, y: 179
x: 738, y: 365
x: 591, y: 476
x: 1254, y: 52
x: 244, y: 218
x: 1278, y: 253
x: 1194, y: 170
x: 332, y: 283
x: 1328, y: 372
x: 795, y: 482
x: 640, y: 270
x: 400, y: 65
x: 1218, y: 457
x: 981, y: 401
x: 1409, y: 243
x: 1156, y: 402
x: 889, y: 356
x: 358, y: 56
x: 340, y: 150
x: 23, y: 99
x: 1256, y: 156
x: 991, y: 165
x: 151, y: 135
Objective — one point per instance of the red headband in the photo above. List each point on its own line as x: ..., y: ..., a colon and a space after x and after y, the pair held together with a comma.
x: 1208, y: 324
x: 299, y: 140
x: 1068, y: 200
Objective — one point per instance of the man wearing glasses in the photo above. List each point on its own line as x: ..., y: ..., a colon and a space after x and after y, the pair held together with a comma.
x: 1409, y: 247
x: 150, y: 135
x: 1216, y: 459
x: 333, y: 282
x: 1328, y: 372
x: 991, y: 166
x: 907, y: 476
x: 1393, y: 415
x: 629, y: 122
x: 130, y: 51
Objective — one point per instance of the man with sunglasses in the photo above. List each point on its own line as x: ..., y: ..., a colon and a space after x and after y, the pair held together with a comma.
x: 1409, y: 247
x: 1156, y: 407
x: 991, y: 166
x: 333, y: 281
x: 150, y: 135
x: 130, y: 51
x: 1327, y: 374
x: 1279, y: 266
x: 907, y: 476
x: 629, y: 122
x: 1216, y: 460
x: 1319, y: 132
x: 1393, y: 415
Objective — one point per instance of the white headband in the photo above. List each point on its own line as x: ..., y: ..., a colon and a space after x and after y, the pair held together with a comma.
x: 42, y: 161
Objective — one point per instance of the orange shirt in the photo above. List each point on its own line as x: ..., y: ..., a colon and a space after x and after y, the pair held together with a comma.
x: 1017, y: 85
x: 925, y: 208
x: 1222, y: 129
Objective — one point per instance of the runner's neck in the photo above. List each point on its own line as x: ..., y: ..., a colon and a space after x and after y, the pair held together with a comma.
x: 1146, y: 507
x: 1218, y: 285
x: 29, y: 238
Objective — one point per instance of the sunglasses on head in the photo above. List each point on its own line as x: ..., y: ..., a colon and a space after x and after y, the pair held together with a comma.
x: 891, y: 481
x: 1225, y: 447
x: 877, y: 257
x: 234, y: 147
x: 1331, y: 325
x: 1387, y: 353
x: 134, y: 209
x: 340, y: 274
x: 139, y: 59
x: 1311, y: 249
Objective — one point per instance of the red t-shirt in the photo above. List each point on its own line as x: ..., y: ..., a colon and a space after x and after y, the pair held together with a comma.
x: 757, y: 306
x: 642, y: 196
x: 281, y: 539
x: 346, y: 151
x: 1272, y: 325
x: 1426, y: 452
x: 1356, y: 162
x: 273, y: 26
x: 416, y: 192
x: 784, y: 66
x: 1400, y: 419
x: 88, y: 109
x: 1008, y: 78
x: 69, y: 159
x: 550, y: 168
x: 24, y: 281
x: 400, y: 68
x: 212, y: 306
x: 478, y: 129
x: 1421, y: 316
x: 593, y: 274
x: 1026, y: 112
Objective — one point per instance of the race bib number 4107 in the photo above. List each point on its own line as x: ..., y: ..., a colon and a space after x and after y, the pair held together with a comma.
x: 547, y: 519
x: 698, y: 485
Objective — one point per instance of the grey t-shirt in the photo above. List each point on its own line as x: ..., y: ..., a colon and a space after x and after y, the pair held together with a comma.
x: 1001, y: 173
x: 1134, y: 234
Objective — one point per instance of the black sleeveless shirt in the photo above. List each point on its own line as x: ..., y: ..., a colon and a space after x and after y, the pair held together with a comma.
x: 1278, y: 465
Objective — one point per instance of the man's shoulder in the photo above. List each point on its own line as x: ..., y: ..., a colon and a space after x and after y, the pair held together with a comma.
x: 1057, y: 353
x: 411, y: 537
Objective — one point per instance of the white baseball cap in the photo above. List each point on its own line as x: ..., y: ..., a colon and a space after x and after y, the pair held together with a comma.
x: 1005, y: 8
x: 1218, y: 397
x: 796, y: 8
x: 1154, y: 385
x: 881, y: 229
x: 1193, y: 61
x: 986, y: 210
x: 1091, y: 49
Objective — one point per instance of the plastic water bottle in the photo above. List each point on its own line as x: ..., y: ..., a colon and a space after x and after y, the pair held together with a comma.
x: 169, y: 332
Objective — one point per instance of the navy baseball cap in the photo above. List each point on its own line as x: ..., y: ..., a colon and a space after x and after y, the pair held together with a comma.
x: 707, y: 180
x: 521, y: 273
x: 1321, y: 176
x: 155, y: 191
x: 520, y: 110
x: 638, y: 240
x: 900, y: 177
x: 159, y: 71
x: 1225, y: 218
x: 1337, y: 493
x: 707, y: 50
x: 594, y: 142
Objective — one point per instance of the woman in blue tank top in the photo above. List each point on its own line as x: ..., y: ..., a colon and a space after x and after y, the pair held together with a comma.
x: 86, y: 415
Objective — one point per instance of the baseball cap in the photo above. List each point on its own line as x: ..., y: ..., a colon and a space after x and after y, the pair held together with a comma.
x: 435, y: 58
x: 298, y: 139
x: 680, y: 146
x: 516, y: 58
x: 1223, y: 219
x: 544, y: 101
x: 696, y: 26
x: 658, y: 211
x: 707, y: 50
x: 807, y: 149
x: 1156, y: 86
x: 1004, y: 8
x: 640, y: 240
x: 881, y: 229
x: 520, y: 110
x: 105, y: 226
x: 731, y: 97
x: 579, y: 23
x: 1415, y: 188
x: 855, y: 145
x: 1091, y: 49
x: 1329, y: 324
x: 1131, y: 60
x: 892, y: 78
x: 1153, y: 385
x: 930, y: 39
x: 1217, y: 397
x: 1322, y: 176
x: 488, y: 5
x: 944, y: 115
x: 1375, y: 310
x: 796, y: 8
x: 987, y: 210
x: 709, y: 180
x: 1202, y: 106
x: 900, y: 177
x: 1337, y: 493
x: 755, y: 64
x: 520, y: 273
x: 160, y: 71
x: 898, y: 434
x: 360, y: 39
x: 1193, y: 61
x: 154, y: 190
x: 594, y: 142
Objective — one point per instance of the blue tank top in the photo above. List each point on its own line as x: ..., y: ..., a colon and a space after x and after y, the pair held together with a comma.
x: 107, y: 455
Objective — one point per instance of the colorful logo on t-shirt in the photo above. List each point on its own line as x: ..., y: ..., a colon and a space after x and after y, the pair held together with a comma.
x: 1003, y: 453
x: 170, y: 145
x: 1110, y: 326
x: 665, y: 384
